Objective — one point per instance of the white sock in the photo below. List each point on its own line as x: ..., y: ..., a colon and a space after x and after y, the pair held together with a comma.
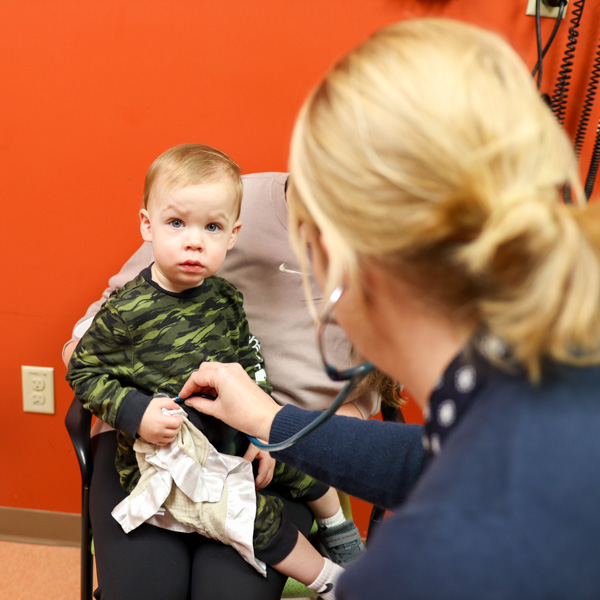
x: 325, y: 583
x: 337, y: 519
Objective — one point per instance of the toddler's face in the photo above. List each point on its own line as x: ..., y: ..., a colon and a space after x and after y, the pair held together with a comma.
x: 191, y: 229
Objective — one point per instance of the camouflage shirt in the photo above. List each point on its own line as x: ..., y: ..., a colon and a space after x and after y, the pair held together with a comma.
x: 146, y: 341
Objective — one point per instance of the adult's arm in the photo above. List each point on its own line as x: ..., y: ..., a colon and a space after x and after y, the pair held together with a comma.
x: 138, y: 261
x: 376, y: 461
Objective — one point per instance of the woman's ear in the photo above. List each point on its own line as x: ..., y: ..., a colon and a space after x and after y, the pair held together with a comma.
x: 234, y: 233
x: 323, y: 252
x: 145, y: 227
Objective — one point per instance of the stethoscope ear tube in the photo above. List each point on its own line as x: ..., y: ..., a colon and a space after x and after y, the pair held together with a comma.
x: 360, y: 373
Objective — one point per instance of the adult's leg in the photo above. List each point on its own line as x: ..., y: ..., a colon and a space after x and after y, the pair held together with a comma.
x: 149, y: 562
x: 220, y: 573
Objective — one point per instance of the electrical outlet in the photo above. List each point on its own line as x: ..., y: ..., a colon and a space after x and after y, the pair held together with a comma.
x: 545, y: 10
x: 38, y: 389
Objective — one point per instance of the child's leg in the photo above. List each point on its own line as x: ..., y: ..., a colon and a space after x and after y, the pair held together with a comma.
x: 279, y: 543
x: 327, y: 509
x: 307, y: 566
x: 339, y: 539
x: 322, y: 499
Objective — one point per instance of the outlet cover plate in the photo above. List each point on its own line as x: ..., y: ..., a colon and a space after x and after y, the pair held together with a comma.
x: 38, y: 389
x: 545, y: 11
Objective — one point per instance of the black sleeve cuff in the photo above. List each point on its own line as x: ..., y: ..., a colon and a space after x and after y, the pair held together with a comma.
x: 131, y: 411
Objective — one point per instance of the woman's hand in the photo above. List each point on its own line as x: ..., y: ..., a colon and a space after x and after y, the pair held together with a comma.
x: 240, y: 402
x: 266, y: 465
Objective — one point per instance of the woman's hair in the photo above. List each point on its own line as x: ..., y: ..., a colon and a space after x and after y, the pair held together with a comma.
x: 193, y: 164
x: 429, y: 150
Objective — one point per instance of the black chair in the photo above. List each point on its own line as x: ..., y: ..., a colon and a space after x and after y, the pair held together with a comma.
x: 78, y: 422
x: 388, y: 413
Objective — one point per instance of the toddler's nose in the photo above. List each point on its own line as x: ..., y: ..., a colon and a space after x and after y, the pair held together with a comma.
x: 195, y: 240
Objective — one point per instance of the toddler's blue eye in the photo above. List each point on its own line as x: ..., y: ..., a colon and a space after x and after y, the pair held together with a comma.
x: 176, y: 223
x: 213, y: 227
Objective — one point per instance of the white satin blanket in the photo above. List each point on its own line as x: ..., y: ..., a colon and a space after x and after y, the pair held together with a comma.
x: 188, y: 486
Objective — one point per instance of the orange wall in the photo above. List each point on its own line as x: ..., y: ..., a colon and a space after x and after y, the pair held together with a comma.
x: 92, y: 92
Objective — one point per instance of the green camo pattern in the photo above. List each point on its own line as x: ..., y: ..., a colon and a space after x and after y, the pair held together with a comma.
x: 145, y: 341
x: 290, y: 483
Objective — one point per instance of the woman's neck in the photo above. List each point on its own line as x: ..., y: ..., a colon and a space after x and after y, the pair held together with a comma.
x: 415, y: 340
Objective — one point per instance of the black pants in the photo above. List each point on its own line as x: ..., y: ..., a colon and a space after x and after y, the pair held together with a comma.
x: 154, y: 563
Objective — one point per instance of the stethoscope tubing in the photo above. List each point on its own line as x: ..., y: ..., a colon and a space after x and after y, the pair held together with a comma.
x: 358, y: 375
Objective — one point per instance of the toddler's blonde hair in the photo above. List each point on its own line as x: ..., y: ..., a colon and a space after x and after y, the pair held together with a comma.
x: 193, y: 164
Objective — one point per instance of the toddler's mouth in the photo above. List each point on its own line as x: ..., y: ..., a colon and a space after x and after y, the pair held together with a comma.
x: 192, y: 265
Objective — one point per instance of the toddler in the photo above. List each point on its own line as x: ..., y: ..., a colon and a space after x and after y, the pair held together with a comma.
x: 155, y: 331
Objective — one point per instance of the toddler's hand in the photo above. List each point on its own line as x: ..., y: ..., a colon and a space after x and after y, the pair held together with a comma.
x: 266, y: 465
x: 158, y: 428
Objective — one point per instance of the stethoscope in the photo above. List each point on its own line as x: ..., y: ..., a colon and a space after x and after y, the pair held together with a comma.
x: 353, y: 375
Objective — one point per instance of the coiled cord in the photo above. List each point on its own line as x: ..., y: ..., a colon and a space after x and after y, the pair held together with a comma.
x: 538, y: 28
x: 588, y: 104
x: 559, y: 98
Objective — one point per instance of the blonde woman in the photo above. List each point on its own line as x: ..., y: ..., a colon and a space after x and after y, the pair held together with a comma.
x: 427, y: 177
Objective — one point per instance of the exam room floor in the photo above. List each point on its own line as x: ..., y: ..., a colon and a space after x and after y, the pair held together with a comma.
x: 34, y: 571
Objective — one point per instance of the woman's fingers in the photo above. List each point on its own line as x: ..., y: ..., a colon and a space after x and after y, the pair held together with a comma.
x: 239, y: 403
x: 202, y: 380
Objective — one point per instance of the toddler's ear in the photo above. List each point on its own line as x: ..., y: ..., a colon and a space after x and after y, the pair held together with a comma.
x: 234, y: 234
x: 145, y: 227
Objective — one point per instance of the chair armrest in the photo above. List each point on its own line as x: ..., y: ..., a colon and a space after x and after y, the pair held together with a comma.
x: 78, y: 422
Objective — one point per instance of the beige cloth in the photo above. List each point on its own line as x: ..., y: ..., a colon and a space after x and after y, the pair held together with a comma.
x: 188, y: 486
